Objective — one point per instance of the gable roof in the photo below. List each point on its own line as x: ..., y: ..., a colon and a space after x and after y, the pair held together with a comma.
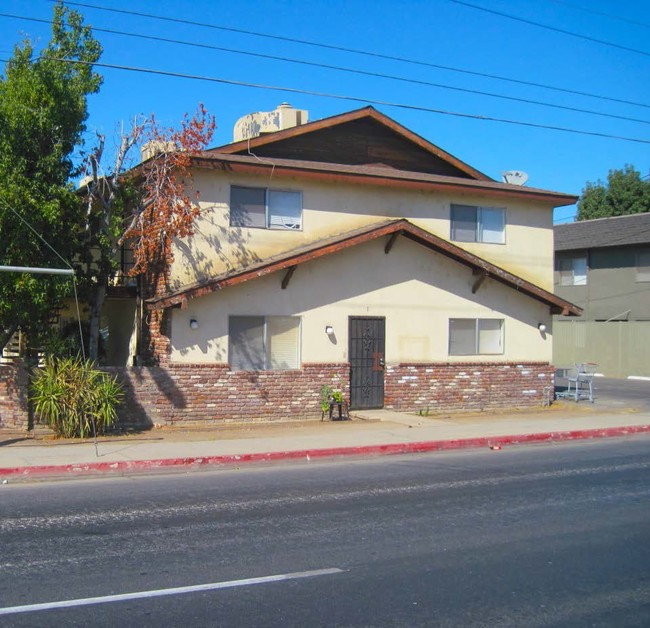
x: 290, y: 260
x: 603, y: 232
x: 360, y: 137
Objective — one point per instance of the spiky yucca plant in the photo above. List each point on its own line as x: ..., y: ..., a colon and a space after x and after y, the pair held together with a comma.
x: 74, y: 398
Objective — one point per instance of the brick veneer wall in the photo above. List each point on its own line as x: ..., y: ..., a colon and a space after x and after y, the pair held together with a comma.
x: 468, y: 386
x: 206, y: 393
x: 211, y: 393
x: 13, y: 397
x: 156, y: 343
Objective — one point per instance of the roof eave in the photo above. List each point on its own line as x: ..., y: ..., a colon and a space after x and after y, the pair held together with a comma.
x: 389, y: 178
x: 399, y: 227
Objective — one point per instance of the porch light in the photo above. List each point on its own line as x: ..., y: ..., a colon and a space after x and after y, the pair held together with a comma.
x: 541, y: 327
x: 194, y: 324
x: 329, y: 330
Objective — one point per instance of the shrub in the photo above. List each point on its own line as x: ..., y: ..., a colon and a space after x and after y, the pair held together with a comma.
x: 74, y: 398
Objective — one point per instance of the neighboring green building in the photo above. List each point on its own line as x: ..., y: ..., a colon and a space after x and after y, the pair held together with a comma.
x: 603, y: 266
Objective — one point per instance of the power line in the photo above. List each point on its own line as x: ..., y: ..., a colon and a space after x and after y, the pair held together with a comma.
x: 551, y: 28
x: 65, y: 261
x: 594, y: 12
x: 370, y: 101
x: 565, y: 219
x: 358, y: 51
x: 346, y: 69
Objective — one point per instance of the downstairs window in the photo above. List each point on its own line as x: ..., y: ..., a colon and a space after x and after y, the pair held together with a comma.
x: 475, y: 336
x: 264, y: 343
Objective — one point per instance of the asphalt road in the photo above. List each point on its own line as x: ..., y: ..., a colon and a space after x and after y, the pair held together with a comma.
x: 553, y: 535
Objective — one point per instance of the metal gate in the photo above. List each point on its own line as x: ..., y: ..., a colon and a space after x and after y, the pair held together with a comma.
x: 367, y: 341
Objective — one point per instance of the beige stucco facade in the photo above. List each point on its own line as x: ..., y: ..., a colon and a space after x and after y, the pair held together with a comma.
x: 335, y: 208
x: 415, y: 289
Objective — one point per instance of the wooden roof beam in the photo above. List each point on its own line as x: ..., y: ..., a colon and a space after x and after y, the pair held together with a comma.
x: 287, y: 276
x: 481, y: 276
x: 391, y: 241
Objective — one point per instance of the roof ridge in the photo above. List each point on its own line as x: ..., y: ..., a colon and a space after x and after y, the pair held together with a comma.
x: 592, y: 220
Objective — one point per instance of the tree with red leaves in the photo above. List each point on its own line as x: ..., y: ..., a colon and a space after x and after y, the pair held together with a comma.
x: 143, y: 209
x: 166, y: 210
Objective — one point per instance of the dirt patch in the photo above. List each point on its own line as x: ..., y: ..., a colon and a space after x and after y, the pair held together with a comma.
x: 184, y: 433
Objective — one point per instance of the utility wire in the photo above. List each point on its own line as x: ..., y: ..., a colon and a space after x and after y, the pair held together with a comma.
x: 358, y: 51
x: 384, y: 103
x: 611, y: 16
x: 65, y: 261
x: 564, y: 219
x: 346, y: 69
x: 551, y: 28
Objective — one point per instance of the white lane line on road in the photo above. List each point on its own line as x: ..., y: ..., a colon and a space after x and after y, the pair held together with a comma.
x: 121, y: 597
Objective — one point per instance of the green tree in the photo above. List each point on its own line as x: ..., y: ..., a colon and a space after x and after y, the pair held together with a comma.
x: 626, y: 192
x: 43, y: 109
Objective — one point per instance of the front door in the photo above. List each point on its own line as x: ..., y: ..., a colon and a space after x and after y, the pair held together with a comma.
x: 367, y: 341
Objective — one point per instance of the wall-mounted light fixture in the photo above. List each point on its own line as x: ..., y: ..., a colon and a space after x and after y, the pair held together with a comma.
x: 541, y: 327
x: 194, y: 324
x: 329, y: 330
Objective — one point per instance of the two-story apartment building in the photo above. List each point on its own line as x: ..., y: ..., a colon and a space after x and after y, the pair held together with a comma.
x: 603, y: 265
x: 353, y: 253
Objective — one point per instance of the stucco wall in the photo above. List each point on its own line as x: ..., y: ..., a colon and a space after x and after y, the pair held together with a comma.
x: 415, y: 289
x: 330, y: 209
x: 612, y: 289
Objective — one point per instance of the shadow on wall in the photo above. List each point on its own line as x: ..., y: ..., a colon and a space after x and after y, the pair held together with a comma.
x: 229, y: 246
x: 143, y: 389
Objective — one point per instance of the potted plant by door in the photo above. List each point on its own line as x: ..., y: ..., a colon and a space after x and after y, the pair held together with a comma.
x: 332, y: 398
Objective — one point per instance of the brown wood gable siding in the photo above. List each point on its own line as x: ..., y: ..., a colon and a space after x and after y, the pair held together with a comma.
x: 359, y: 142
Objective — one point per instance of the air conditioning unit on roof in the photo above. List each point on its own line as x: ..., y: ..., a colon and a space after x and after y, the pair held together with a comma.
x: 255, y: 124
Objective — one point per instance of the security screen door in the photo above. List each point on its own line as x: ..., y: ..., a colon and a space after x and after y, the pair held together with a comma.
x: 367, y: 341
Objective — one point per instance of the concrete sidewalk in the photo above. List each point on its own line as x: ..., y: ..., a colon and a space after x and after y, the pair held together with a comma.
x: 376, y: 432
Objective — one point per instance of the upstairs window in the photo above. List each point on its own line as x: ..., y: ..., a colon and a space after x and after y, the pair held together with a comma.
x: 478, y: 224
x: 265, y: 209
x: 643, y: 265
x: 573, y: 271
x: 264, y: 343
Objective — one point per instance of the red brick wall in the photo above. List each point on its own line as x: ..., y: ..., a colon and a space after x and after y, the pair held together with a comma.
x: 13, y: 397
x: 156, y: 342
x: 469, y: 386
x: 210, y: 393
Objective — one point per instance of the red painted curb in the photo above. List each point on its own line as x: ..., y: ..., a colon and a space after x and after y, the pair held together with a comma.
x: 74, y: 470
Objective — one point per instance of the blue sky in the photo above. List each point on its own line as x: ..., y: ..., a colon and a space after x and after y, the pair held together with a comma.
x: 438, y: 32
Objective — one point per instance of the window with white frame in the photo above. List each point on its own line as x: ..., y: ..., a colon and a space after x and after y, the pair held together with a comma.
x: 573, y: 271
x: 475, y: 336
x: 643, y: 265
x: 478, y: 224
x: 265, y: 208
x: 264, y: 343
